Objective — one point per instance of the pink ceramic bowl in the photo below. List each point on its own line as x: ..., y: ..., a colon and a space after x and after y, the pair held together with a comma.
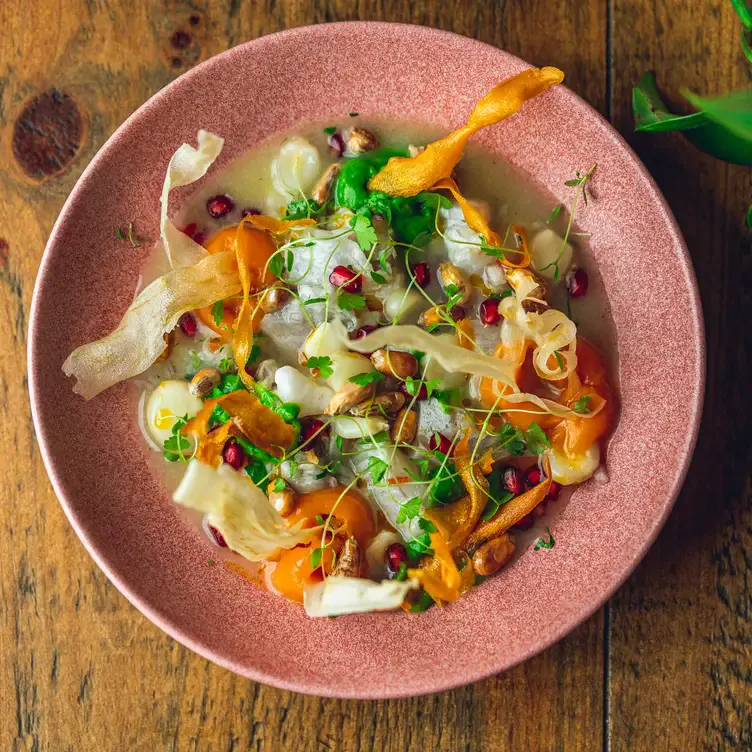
x: 95, y: 455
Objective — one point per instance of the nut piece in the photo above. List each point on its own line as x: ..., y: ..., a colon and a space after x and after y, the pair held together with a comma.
x: 388, y: 402
x: 517, y: 277
x: 359, y: 141
x: 492, y: 555
x: 283, y: 501
x: 169, y: 344
x: 449, y: 274
x: 430, y: 317
x: 204, y: 381
x: 274, y: 299
x: 347, y: 397
x: 322, y: 189
x: 348, y: 564
x: 405, y: 427
x: 395, y: 363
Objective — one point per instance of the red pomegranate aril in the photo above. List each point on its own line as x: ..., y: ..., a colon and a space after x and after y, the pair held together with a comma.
x: 422, y: 274
x: 457, y: 313
x: 345, y: 278
x: 218, y: 537
x: 310, y: 429
x: 577, y: 282
x: 489, y: 312
x: 219, y: 206
x: 188, y: 325
x: 396, y: 556
x: 513, y: 480
x: 190, y: 230
x: 533, y: 477
x: 251, y: 211
x: 553, y: 491
x: 363, y: 331
x: 525, y: 523
x: 421, y: 395
x: 439, y: 443
x: 337, y: 143
x: 233, y: 455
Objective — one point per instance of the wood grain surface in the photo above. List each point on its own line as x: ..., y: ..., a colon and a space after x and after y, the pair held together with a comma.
x: 665, y: 666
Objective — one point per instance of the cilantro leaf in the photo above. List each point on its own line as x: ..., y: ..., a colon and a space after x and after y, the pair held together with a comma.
x: 218, y: 312
x: 413, y: 386
x: 419, y: 546
x: 434, y: 200
x: 409, y: 510
x: 364, y: 379
x: 350, y: 301
x: 277, y: 265
x: 537, y: 442
x: 378, y: 469
x: 426, y: 525
x: 581, y: 405
x: 364, y: 232
x: 512, y: 439
x: 493, y: 504
x: 302, y: 208
x: 424, y: 237
x: 323, y: 363
x: 177, y: 447
x: 542, y: 543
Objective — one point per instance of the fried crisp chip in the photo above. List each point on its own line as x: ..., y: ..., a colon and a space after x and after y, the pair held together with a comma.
x: 408, y: 176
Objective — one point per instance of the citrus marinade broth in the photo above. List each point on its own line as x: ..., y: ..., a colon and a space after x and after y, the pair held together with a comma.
x: 512, y: 198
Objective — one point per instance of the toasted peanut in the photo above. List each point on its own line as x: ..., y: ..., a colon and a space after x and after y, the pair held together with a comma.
x: 449, y: 274
x: 348, y: 564
x: 169, y: 344
x: 405, y: 427
x: 395, y: 363
x: 322, y: 189
x: 283, y: 501
x: 274, y: 299
x: 359, y: 141
x: 430, y: 317
x: 204, y: 381
x: 492, y: 555
x: 388, y: 402
x: 516, y: 277
x: 347, y: 397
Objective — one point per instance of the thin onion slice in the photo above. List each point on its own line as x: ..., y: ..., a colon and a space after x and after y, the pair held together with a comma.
x: 450, y: 356
x: 352, y: 595
x: 139, y: 338
x: 187, y: 165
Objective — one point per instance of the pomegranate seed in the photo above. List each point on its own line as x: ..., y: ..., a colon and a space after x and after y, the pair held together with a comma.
x: 233, y: 455
x: 396, y: 554
x: 553, y: 491
x: 422, y: 392
x: 439, y: 442
x: 189, y: 230
x: 343, y: 277
x: 188, y: 325
x: 311, y: 428
x: 364, y: 331
x: 457, y: 313
x: 218, y: 537
x: 525, y: 523
x: 422, y: 274
x: 533, y: 477
x: 513, y: 480
x: 251, y: 211
x: 219, y: 206
x: 337, y: 143
x: 489, y: 312
x: 577, y: 282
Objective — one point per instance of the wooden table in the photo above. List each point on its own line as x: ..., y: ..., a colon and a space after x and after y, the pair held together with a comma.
x: 665, y: 665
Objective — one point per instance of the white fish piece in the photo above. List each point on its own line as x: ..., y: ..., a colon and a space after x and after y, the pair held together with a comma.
x: 293, y: 386
x: 352, y: 595
x: 296, y: 167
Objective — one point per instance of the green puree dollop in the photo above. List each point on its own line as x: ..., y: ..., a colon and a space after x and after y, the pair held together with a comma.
x: 411, y: 219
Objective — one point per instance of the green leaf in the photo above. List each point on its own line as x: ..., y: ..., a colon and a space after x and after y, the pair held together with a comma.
x: 350, y: 301
x: 255, y: 353
x: 178, y: 448
x: 434, y: 200
x: 377, y: 438
x: 378, y: 278
x: 354, y: 114
x: 537, y: 441
x: 311, y: 301
x: 508, y: 293
x: 323, y: 363
x: 218, y: 312
x: 195, y: 360
x: 302, y: 209
x: 320, y: 520
x: 449, y: 399
x: 555, y: 213
x: 331, y: 130
x: 316, y: 555
x: 749, y: 217
x: 419, y: 546
x: 732, y: 111
x: 338, y: 443
x: 542, y: 543
x: 512, y: 439
x: 422, y: 604
x: 409, y: 510
x: 402, y: 573
x: 382, y: 260
x: 378, y: 468
x: 494, y: 502
x: 422, y: 238
x: 426, y: 525
x: 581, y: 405
x: 559, y: 360
x: 364, y: 232
x: 290, y: 260
x: 277, y: 265
x: 364, y: 379
x: 278, y: 485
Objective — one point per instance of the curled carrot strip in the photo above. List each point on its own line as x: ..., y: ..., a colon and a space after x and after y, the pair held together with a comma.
x: 408, y: 176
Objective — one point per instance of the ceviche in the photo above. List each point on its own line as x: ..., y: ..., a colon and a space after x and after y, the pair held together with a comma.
x: 366, y: 383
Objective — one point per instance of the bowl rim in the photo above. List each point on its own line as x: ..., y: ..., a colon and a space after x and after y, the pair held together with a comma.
x: 173, y: 628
